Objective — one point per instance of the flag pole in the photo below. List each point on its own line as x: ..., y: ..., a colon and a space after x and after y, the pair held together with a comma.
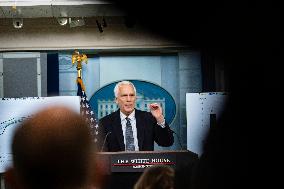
x: 79, y: 59
x: 85, y: 107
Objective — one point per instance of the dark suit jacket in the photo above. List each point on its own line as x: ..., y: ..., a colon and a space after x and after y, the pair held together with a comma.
x: 147, y: 132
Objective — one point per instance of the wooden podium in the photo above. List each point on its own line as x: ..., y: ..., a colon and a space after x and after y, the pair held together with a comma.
x: 122, y: 169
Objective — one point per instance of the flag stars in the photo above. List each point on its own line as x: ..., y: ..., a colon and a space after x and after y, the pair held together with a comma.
x: 89, y: 115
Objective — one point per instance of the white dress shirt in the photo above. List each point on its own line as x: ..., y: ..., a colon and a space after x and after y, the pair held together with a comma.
x: 134, y: 129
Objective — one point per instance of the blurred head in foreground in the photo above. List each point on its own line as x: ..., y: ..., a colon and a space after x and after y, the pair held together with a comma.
x: 156, y: 177
x: 53, y: 149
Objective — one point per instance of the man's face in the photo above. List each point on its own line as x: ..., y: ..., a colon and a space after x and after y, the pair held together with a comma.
x: 126, y: 99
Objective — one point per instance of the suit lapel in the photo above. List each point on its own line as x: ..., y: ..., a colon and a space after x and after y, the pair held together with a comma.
x: 118, y: 130
x: 140, y: 128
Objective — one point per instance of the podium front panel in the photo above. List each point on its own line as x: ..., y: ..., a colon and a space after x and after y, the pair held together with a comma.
x: 137, y: 162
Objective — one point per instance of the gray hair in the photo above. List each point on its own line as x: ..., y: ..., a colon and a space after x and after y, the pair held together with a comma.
x: 115, y: 90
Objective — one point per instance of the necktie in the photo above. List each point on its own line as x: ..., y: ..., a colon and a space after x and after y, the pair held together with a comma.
x: 129, y: 136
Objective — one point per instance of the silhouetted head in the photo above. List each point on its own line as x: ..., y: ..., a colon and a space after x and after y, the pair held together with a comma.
x: 53, y: 149
x: 156, y: 177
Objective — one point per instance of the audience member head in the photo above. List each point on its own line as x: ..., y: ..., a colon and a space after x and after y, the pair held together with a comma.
x: 156, y: 177
x: 53, y: 149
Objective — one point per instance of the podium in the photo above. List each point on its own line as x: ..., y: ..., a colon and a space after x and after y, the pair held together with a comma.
x: 122, y: 169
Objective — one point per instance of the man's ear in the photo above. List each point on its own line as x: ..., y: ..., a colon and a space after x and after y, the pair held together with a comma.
x: 116, y: 101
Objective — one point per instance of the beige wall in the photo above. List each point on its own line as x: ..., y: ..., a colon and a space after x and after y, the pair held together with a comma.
x: 47, y: 34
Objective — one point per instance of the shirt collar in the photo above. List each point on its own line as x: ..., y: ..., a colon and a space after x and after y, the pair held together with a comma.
x: 131, y: 116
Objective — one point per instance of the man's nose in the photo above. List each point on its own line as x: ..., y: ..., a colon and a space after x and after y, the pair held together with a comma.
x: 128, y: 97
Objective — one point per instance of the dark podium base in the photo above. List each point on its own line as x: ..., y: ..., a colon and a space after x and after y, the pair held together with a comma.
x: 123, y: 169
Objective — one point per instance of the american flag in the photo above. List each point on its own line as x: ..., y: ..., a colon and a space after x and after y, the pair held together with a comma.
x: 88, y: 114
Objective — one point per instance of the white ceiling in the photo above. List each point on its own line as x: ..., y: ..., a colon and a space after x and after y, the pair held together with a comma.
x: 49, y: 2
x: 56, y: 8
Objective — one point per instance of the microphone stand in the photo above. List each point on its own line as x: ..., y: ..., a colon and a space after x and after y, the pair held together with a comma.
x: 105, y: 140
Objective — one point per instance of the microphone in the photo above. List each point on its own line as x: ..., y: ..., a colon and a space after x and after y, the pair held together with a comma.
x: 105, y: 140
x: 178, y: 139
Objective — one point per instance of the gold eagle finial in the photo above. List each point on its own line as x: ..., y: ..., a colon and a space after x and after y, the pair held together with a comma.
x: 79, y: 58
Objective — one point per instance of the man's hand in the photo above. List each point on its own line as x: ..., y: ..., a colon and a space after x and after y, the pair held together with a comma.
x: 157, y: 112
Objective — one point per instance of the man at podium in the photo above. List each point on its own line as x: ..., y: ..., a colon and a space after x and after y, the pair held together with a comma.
x: 129, y: 129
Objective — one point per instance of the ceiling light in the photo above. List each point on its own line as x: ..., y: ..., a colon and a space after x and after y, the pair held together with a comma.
x: 62, y: 21
x: 18, y: 23
x: 74, y: 22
